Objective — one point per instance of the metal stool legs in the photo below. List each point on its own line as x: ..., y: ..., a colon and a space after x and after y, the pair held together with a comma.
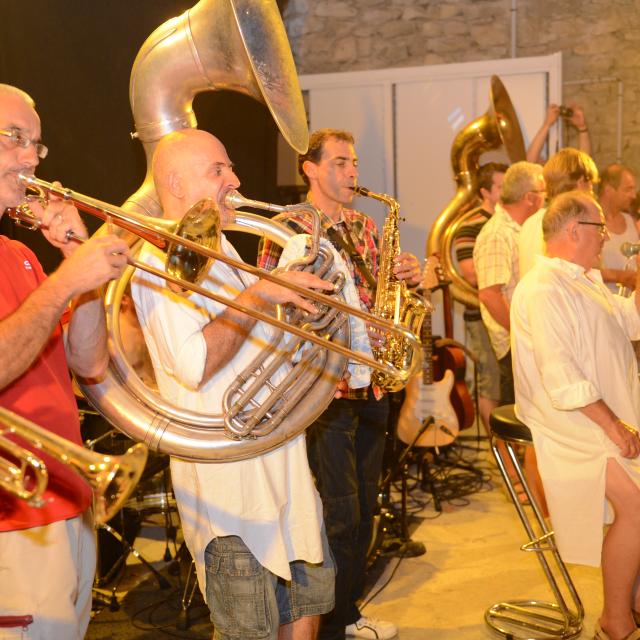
x: 532, y: 619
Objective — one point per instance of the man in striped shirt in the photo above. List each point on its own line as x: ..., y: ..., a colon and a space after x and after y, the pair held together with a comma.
x: 490, y: 179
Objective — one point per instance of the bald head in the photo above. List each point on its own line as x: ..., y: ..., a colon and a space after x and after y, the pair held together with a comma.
x: 188, y: 166
x: 17, y: 113
x: 8, y: 92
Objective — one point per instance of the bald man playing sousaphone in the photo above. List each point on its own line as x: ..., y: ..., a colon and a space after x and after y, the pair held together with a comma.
x: 254, y: 527
x: 47, y: 554
x: 577, y: 389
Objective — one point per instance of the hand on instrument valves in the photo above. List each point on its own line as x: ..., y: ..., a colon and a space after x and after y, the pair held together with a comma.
x: 273, y: 293
x: 625, y: 437
x: 94, y: 262
x: 406, y: 267
x: 59, y: 219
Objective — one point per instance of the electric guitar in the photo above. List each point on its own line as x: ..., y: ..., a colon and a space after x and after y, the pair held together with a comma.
x: 428, y: 399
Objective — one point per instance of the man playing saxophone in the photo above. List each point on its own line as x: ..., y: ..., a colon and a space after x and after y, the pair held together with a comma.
x: 346, y: 443
x: 254, y: 526
x: 47, y: 554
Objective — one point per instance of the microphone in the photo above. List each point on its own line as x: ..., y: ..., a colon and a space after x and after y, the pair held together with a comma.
x: 629, y: 249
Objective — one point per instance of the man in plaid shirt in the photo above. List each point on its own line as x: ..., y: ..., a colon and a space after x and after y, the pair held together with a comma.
x: 346, y: 443
x: 495, y: 257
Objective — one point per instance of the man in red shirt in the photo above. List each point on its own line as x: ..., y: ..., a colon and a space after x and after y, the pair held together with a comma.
x: 47, y: 554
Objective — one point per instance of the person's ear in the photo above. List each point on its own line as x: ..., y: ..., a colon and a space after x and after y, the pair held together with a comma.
x: 573, y: 230
x: 310, y: 169
x: 176, y: 186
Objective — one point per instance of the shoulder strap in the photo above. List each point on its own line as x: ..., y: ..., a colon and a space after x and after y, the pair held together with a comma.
x: 346, y: 243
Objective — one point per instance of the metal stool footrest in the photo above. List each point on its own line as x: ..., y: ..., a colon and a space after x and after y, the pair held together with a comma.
x: 544, y: 619
x: 532, y: 619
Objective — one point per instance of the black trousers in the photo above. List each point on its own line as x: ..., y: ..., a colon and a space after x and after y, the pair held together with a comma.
x: 345, y: 447
x: 507, y: 394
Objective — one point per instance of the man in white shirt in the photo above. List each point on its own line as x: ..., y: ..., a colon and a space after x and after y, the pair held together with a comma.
x: 577, y: 389
x: 254, y: 527
x: 495, y: 257
x: 564, y: 171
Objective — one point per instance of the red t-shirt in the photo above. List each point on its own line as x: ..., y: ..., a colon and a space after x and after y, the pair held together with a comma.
x: 43, y: 394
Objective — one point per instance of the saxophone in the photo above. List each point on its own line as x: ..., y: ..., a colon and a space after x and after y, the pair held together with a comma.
x: 393, y: 300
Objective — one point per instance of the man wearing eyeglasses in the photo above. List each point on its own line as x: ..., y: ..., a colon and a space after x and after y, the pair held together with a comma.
x: 47, y: 554
x: 577, y: 389
x: 565, y: 171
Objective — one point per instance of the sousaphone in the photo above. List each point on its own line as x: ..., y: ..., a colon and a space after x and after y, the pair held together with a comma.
x: 498, y: 127
x: 235, y: 45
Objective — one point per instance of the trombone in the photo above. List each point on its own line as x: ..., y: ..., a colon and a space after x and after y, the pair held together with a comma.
x: 112, y: 478
x: 176, y: 236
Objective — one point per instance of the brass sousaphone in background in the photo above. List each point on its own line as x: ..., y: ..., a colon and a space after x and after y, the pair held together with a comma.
x: 236, y: 45
x: 498, y: 127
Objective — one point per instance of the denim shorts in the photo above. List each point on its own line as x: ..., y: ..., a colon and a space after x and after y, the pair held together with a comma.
x: 248, y: 602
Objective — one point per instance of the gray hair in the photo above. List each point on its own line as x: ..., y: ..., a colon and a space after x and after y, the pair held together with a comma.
x: 519, y: 180
x: 565, y: 207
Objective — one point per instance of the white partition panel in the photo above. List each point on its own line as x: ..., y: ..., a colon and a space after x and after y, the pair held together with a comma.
x: 366, y: 111
x: 405, y: 120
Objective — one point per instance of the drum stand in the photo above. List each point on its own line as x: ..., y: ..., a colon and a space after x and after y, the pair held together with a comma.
x: 127, y: 548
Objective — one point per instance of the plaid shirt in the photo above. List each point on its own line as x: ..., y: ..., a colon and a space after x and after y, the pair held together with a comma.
x: 364, y: 234
x: 495, y: 257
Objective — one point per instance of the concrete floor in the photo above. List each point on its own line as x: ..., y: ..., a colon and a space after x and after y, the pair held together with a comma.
x: 473, y: 560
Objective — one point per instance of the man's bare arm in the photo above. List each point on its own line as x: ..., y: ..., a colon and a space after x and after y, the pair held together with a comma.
x: 497, y: 305
x: 226, y: 333
x: 24, y: 333
x: 621, y: 434
x: 468, y: 270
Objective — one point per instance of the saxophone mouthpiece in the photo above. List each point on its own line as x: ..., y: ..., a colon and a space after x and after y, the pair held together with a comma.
x: 360, y: 190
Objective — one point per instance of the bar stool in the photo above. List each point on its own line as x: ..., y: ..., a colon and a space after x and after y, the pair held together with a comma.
x: 532, y: 619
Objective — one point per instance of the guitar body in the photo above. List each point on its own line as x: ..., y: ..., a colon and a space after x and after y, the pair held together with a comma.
x: 424, y: 401
x: 439, y: 391
x: 451, y: 359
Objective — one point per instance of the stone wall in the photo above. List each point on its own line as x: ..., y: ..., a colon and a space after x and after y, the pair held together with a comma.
x: 597, y: 39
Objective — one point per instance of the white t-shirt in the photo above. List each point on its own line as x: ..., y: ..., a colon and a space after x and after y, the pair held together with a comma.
x: 612, y: 257
x: 270, y: 501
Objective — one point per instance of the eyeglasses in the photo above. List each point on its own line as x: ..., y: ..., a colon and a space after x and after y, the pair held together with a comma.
x: 20, y: 140
x: 602, y: 227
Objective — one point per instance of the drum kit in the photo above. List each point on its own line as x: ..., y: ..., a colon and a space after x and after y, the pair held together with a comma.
x: 152, y: 500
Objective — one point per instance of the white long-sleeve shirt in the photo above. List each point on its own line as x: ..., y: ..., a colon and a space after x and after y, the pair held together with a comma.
x: 570, y: 342
x: 270, y: 500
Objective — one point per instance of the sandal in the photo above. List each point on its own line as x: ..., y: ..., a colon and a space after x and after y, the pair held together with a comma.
x: 601, y: 634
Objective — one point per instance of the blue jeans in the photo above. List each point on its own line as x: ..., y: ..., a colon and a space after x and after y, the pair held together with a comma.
x: 345, y: 447
x: 248, y: 602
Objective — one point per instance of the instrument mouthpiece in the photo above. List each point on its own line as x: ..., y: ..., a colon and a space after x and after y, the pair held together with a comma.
x: 233, y: 200
x: 361, y: 191
x: 30, y: 180
x: 629, y: 249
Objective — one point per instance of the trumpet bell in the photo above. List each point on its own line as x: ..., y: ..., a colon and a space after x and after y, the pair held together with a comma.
x: 112, y: 478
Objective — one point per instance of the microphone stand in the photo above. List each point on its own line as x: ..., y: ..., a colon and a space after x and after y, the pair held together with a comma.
x: 408, y: 548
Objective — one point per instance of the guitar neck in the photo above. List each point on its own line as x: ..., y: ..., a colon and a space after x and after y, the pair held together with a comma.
x: 427, y: 348
x: 447, y: 311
